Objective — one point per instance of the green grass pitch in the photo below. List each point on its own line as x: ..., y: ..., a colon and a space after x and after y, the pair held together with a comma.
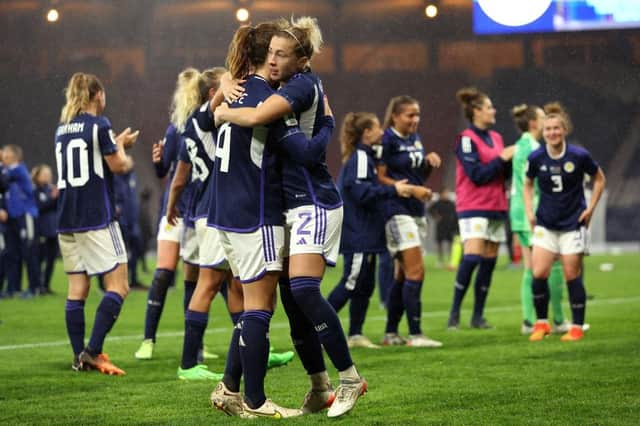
x: 478, y: 377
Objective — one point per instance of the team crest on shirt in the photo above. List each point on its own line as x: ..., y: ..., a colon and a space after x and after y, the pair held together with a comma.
x: 411, y: 235
x: 543, y: 168
x: 418, y: 144
x: 168, y: 227
x: 477, y: 227
x: 539, y: 233
x: 569, y: 167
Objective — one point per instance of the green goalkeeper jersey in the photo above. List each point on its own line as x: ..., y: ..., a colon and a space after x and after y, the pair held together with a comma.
x: 517, y: 213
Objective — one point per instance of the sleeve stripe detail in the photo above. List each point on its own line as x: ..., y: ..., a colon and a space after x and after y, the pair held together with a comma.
x: 361, y: 172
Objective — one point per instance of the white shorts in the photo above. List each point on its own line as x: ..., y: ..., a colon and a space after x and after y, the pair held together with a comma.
x: 167, y: 232
x: 314, y: 230
x: 93, y: 252
x: 253, y: 254
x: 404, y: 232
x: 189, y: 247
x: 561, y: 242
x: 482, y: 228
x: 211, y: 251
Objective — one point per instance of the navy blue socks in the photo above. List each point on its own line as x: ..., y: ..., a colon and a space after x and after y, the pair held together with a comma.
x: 481, y: 287
x: 540, y: 288
x: 395, y: 307
x: 577, y: 300
x: 74, y: 318
x: 189, y: 287
x: 463, y: 278
x: 254, y: 353
x: 233, y: 366
x: 411, y: 298
x: 162, y: 279
x: 195, y: 324
x: 303, y: 335
x: 106, y: 316
x: 306, y: 292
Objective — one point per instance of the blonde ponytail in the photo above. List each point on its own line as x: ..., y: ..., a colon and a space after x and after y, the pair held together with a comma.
x: 186, y: 97
x: 79, y: 92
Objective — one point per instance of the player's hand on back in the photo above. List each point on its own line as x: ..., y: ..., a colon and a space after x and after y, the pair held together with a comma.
x: 231, y: 88
x: 507, y: 153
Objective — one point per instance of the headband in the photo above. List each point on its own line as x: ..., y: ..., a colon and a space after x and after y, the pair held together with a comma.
x: 297, y: 40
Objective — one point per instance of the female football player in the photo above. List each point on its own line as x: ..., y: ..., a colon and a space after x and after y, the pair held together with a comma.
x: 561, y: 219
x: 403, y: 158
x: 528, y: 119
x: 165, y: 156
x: 482, y: 166
x: 248, y: 176
x: 46, y: 195
x: 87, y: 155
x: 363, y: 235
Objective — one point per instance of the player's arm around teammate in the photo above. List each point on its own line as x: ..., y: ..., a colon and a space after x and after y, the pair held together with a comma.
x: 314, y: 214
x: 560, y: 222
x: 363, y: 225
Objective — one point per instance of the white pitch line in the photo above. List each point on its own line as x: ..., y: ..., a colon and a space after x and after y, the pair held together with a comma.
x: 283, y: 324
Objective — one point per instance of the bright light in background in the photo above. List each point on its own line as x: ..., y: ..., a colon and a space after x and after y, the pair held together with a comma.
x: 242, y: 14
x: 53, y: 15
x: 514, y: 13
x: 431, y: 11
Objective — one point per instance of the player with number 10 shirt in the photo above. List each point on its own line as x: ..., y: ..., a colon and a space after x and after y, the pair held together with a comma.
x: 87, y: 155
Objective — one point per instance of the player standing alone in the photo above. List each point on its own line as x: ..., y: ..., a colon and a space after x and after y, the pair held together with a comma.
x: 87, y: 155
x: 561, y: 219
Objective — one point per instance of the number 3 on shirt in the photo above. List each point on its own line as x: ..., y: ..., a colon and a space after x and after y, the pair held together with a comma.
x: 557, y: 183
x: 224, y: 146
